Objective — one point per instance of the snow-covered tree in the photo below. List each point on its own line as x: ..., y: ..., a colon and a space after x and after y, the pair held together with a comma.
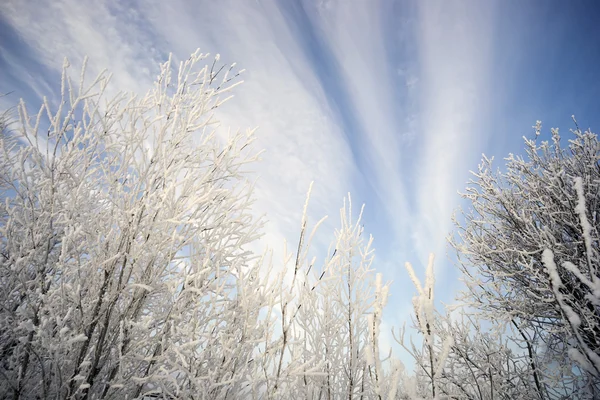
x: 529, y: 249
x: 122, y: 234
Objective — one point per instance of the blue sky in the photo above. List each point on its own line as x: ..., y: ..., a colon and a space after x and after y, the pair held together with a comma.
x: 393, y: 101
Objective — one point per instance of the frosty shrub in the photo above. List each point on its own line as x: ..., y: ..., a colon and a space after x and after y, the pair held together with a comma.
x: 324, y: 342
x: 431, y: 356
x: 529, y: 248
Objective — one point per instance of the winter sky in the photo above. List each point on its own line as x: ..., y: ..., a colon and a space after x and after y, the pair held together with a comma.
x: 392, y: 101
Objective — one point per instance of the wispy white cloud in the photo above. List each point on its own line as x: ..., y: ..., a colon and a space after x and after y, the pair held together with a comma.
x: 418, y: 111
x: 355, y: 34
x: 102, y: 31
x: 388, y: 100
x: 455, y: 60
x: 336, y: 88
x: 280, y: 93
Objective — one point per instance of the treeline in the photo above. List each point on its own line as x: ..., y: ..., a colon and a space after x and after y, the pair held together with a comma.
x: 125, y: 272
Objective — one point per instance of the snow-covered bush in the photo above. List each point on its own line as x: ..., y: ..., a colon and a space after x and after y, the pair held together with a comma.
x: 529, y: 248
x: 330, y: 316
x: 431, y: 356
